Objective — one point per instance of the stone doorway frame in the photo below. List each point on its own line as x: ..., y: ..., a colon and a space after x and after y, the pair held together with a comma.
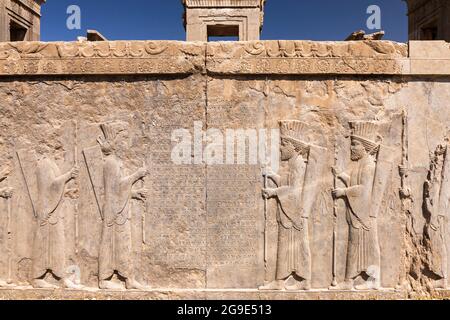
x: 239, y: 21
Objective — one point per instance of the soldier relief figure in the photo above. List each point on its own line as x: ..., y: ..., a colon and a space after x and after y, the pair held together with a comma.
x: 363, y: 252
x: 115, y: 254
x: 295, y: 203
x: 436, y: 204
x: 5, y: 193
x: 49, y: 240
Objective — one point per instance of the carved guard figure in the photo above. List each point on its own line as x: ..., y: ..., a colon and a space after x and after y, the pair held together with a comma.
x: 114, y: 192
x: 365, y: 182
x: 295, y: 203
x: 436, y: 205
x: 49, y: 239
x: 5, y: 193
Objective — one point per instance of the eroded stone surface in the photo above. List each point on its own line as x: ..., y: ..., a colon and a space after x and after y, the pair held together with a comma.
x: 90, y: 190
x: 104, y: 57
x: 306, y: 57
x: 244, y: 57
x: 253, y: 295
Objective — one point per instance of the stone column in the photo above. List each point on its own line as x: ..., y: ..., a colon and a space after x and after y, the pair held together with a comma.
x: 4, y: 22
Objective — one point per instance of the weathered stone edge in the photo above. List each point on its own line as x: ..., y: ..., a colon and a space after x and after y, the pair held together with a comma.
x: 103, y: 57
x: 199, y: 294
x: 225, y: 58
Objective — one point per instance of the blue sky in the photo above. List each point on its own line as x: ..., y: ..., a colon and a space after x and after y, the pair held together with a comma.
x: 161, y: 19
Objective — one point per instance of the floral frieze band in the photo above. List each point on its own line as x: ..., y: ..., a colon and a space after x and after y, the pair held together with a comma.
x: 118, y: 57
x: 247, y: 58
x: 307, y: 57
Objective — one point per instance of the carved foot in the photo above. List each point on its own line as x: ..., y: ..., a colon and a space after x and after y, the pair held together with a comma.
x: 346, y: 285
x: 299, y: 286
x: 109, y: 285
x: 368, y: 285
x: 42, y: 284
x: 274, y: 285
x: 134, y: 285
x: 68, y: 284
x: 4, y: 284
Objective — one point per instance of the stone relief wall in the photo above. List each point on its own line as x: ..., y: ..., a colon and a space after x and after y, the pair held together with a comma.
x: 90, y: 196
x: 327, y: 106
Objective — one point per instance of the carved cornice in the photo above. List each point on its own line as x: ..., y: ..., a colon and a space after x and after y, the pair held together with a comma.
x: 31, y: 5
x: 224, y: 3
x: 105, y: 57
x: 228, y: 58
x: 306, y: 57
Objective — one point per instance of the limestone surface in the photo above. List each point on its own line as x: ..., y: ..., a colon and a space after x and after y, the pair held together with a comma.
x: 256, y: 170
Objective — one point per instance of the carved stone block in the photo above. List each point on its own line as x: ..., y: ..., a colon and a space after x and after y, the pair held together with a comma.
x: 256, y: 170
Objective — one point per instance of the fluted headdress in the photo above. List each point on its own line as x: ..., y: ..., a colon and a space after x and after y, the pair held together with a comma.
x: 108, y: 131
x: 366, y: 133
x: 294, y: 131
x: 107, y: 142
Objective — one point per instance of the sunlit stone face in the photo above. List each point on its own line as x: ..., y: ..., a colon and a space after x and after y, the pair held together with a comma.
x: 357, y: 150
x: 287, y: 150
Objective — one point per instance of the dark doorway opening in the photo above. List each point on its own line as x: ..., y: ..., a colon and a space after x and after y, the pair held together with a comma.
x: 429, y: 32
x: 223, y: 33
x: 17, y: 32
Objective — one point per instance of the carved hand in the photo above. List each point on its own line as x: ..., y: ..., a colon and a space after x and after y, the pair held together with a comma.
x: 142, y: 172
x: 338, y: 193
x: 434, y: 223
x: 4, y: 173
x: 268, y: 173
x: 272, y: 176
x: 403, y: 170
x: 74, y: 172
x: 269, y: 193
x: 6, y: 193
x: 140, y: 194
x: 336, y: 171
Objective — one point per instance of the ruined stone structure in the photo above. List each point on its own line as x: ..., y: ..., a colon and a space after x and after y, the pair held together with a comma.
x: 20, y: 20
x: 429, y: 19
x: 218, y: 18
x: 238, y: 170
x: 116, y: 174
